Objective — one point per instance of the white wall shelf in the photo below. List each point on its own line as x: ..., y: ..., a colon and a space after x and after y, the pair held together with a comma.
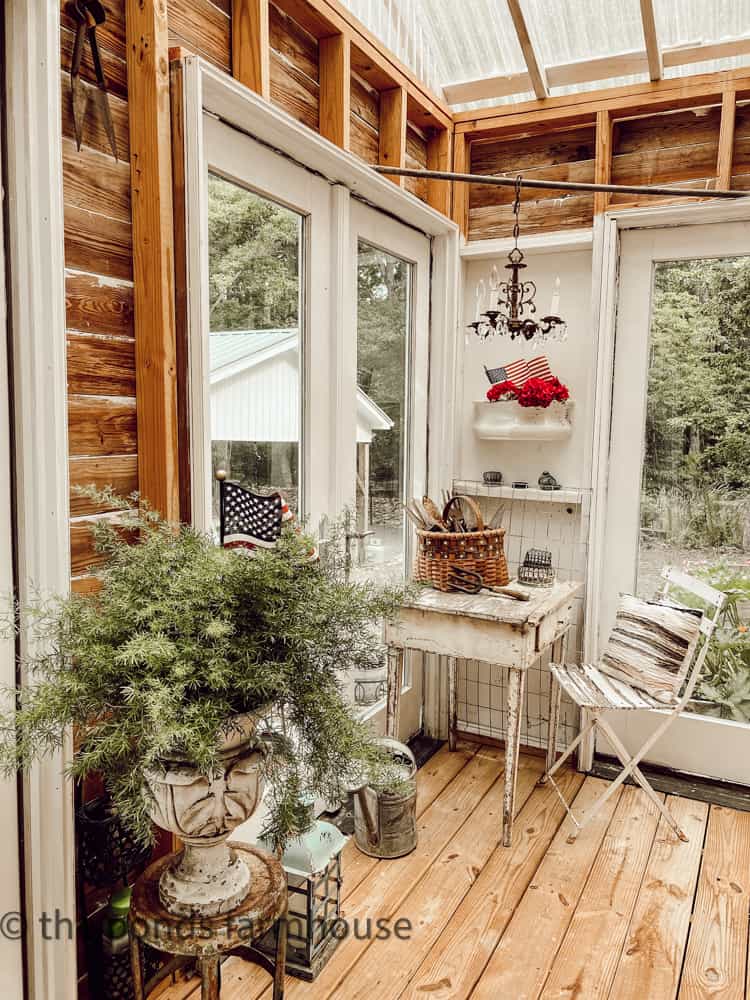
x: 477, y: 488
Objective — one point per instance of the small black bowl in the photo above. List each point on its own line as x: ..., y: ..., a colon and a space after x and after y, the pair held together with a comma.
x: 492, y: 478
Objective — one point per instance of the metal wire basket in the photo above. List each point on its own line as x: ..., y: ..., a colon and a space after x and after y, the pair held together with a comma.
x: 536, y: 569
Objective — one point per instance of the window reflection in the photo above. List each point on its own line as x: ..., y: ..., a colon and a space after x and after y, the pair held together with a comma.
x: 255, y: 259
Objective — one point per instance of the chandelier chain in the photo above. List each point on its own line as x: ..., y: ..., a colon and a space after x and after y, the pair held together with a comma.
x: 517, y: 211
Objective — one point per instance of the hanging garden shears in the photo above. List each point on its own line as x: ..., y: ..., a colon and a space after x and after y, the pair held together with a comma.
x: 89, y: 14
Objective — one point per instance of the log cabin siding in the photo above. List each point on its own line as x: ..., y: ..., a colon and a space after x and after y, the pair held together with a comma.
x: 98, y: 287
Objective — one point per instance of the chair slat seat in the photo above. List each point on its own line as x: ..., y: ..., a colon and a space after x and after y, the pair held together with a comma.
x: 590, y: 688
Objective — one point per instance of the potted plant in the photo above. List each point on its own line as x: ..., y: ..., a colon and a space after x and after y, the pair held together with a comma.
x: 539, y: 409
x: 195, y: 677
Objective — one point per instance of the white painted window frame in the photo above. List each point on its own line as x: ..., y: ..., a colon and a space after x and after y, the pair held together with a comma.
x: 37, y: 307
x: 207, y: 89
x: 606, y: 253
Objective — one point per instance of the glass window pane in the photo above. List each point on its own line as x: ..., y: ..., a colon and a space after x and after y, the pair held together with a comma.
x: 383, y: 329
x: 695, y: 497
x: 255, y: 263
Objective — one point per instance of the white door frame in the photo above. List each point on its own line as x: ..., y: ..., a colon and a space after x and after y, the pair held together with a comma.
x: 241, y: 160
x: 37, y: 308
x: 606, y: 263
x: 386, y: 233
x: 208, y: 89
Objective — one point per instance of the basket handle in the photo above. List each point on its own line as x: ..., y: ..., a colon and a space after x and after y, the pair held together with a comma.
x: 473, y: 507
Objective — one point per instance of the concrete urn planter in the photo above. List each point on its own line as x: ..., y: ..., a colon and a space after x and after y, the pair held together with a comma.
x: 207, y: 877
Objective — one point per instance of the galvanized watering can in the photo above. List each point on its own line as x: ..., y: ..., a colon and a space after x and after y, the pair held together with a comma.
x: 385, y: 822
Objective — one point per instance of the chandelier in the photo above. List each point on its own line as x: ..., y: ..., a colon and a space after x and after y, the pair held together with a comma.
x: 515, y: 304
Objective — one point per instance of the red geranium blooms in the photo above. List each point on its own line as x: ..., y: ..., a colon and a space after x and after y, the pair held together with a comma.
x: 559, y: 391
x: 536, y: 392
x: 502, y: 390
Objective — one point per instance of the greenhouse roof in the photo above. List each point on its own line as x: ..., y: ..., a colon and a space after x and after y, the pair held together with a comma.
x: 479, y: 52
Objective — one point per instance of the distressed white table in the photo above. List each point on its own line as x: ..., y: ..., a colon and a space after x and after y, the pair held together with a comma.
x: 488, y: 627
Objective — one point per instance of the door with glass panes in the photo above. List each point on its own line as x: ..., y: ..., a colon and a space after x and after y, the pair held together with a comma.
x: 679, y: 485
x: 389, y: 302
x: 333, y: 414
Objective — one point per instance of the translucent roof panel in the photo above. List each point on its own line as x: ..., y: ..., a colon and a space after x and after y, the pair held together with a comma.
x: 451, y: 41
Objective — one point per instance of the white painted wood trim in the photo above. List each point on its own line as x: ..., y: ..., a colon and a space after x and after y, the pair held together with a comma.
x: 36, y: 252
x: 11, y: 952
x: 246, y: 111
x: 605, y: 272
x: 558, y: 242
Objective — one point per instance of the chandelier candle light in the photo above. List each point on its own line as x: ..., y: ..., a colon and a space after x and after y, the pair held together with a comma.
x: 515, y: 304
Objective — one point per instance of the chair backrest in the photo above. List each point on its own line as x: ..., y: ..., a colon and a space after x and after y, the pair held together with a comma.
x: 652, y: 646
x: 714, y: 601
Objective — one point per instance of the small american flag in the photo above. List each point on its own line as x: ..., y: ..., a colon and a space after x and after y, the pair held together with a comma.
x: 249, y: 520
x: 539, y: 368
x: 516, y: 371
x: 521, y: 371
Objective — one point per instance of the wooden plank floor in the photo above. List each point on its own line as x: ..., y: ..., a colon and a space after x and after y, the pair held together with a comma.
x: 625, y: 911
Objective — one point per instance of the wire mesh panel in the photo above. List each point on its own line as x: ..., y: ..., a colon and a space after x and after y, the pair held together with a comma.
x: 561, y: 526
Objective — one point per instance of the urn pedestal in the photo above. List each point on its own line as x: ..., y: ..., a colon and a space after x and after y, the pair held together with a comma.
x: 207, y: 877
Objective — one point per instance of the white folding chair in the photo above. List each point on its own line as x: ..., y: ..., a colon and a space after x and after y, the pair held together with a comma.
x: 650, y: 665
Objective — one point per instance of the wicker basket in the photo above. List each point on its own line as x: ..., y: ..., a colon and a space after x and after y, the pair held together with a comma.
x: 480, y: 551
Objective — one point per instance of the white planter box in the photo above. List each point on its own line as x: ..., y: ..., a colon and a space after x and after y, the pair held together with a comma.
x: 507, y: 421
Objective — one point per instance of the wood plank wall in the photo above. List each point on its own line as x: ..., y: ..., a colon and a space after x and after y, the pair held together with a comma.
x: 99, y: 291
x: 697, y: 136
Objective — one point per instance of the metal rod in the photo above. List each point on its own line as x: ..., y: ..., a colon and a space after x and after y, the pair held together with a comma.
x: 446, y: 175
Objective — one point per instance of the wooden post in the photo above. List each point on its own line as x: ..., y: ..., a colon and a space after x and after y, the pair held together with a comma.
x: 393, y: 130
x: 335, y: 89
x: 461, y: 165
x: 439, y: 149
x: 153, y: 253
x: 603, y: 161
x: 251, y: 50
x: 653, y: 53
x: 726, y: 139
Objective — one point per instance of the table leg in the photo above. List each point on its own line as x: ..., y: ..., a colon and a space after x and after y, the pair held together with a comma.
x: 136, y: 965
x: 280, y: 970
x: 516, y: 682
x: 210, y: 978
x: 452, y: 709
x: 395, y: 683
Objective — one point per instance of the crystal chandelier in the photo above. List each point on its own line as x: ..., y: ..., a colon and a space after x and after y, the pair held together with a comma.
x: 515, y: 304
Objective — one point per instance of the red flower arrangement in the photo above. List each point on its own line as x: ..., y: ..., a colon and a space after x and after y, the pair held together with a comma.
x: 534, y: 392
x: 501, y: 390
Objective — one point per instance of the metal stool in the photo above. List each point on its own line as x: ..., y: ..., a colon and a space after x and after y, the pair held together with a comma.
x: 208, y: 939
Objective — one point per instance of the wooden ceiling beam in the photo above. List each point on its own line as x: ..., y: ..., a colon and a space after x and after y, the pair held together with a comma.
x: 632, y: 100
x: 631, y: 63
x: 537, y: 74
x: 648, y: 19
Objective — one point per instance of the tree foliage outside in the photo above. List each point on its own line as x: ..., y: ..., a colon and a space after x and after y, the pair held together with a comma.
x: 696, y: 478
x: 695, y: 502
x: 253, y: 260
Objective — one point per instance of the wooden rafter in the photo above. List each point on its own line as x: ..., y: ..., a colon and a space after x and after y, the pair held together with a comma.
x: 631, y: 63
x: 726, y: 139
x: 537, y: 73
x: 652, y: 42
